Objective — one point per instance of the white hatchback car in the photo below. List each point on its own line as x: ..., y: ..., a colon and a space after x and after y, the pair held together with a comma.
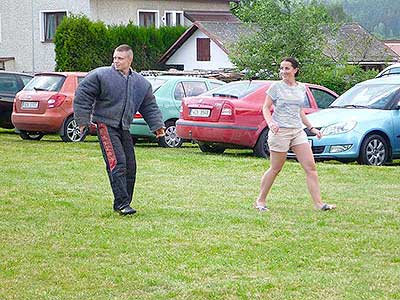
x: 390, y: 70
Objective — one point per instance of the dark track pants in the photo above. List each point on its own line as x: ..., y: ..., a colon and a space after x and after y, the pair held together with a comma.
x: 119, y: 156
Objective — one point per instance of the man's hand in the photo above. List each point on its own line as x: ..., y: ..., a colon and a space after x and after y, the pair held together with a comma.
x: 160, y: 132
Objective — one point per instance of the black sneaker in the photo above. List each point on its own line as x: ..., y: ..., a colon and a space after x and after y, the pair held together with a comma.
x: 127, y: 210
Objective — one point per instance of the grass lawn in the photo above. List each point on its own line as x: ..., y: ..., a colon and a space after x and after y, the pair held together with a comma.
x: 196, y: 235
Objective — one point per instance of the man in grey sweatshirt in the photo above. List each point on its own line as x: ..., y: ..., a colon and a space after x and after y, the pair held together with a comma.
x: 109, y: 97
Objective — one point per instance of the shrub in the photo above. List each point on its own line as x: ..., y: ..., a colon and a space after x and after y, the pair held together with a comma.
x: 82, y: 45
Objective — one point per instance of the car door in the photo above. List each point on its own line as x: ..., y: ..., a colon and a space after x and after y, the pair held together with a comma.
x: 9, y: 86
x: 396, y: 128
x: 322, y: 98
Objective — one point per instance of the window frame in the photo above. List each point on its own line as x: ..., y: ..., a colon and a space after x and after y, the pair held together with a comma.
x: 156, y: 17
x: 174, y: 17
x: 43, y: 22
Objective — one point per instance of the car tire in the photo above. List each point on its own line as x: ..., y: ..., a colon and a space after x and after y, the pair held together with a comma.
x: 70, y: 131
x: 211, y: 148
x: 33, y: 136
x: 261, y: 148
x: 374, y: 151
x: 171, y: 139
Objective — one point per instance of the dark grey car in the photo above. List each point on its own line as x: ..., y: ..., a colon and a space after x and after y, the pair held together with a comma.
x: 10, y: 84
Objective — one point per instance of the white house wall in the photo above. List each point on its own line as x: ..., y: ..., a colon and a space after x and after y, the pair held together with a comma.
x: 125, y: 11
x: 20, y: 24
x: 20, y: 41
x: 187, y: 55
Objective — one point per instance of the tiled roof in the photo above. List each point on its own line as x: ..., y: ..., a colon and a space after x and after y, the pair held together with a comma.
x: 360, y: 46
x: 394, y: 45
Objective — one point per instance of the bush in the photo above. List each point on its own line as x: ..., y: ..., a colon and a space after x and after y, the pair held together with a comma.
x: 338, y: 78
x: 82, y: 45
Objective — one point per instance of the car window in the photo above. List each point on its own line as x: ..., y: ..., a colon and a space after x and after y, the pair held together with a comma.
x: 8, y: 84
x: 367, y: 95
x: 237, y: 89
x: 214, y: 85
x: 156, y: 83
x: 80, y: 79
x: 194, y: 88
x: 179, y: 92
x: 323, y: 98
x: 45, y: 82
x: 25, y: 79
x: 307, y: 102
x: 394, y: 71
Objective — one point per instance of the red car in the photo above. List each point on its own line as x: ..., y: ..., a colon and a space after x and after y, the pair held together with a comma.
x: 231, y: 116
x: 45, y: 106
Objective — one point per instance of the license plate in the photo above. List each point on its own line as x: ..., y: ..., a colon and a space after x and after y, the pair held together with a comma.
x: 199, y: 112
x: 29, y: 105
x: 310, y: 143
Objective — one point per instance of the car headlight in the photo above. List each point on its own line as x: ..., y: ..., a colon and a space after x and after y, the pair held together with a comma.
x: 338, y: 128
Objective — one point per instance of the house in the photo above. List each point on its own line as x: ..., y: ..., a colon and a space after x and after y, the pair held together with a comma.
x: 27, y: 27
x: 204, y: 46
x: 360, y: 48
x: 394, y: 45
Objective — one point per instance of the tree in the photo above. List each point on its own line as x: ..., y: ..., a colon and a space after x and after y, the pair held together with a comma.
x: 284, y: 28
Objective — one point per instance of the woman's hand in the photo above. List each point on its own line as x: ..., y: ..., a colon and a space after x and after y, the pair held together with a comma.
x: 316, y: 132
x: 274, y: 127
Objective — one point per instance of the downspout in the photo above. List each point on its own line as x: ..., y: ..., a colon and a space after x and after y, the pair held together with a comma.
x: 33, y: 38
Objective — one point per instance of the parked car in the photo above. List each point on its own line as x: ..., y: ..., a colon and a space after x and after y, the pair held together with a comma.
x: 45, y: 106
x: 10, y: 84
x: 390, y: 70
x: 362, y: 125
x: 231, y: 116
x: 169, y: 92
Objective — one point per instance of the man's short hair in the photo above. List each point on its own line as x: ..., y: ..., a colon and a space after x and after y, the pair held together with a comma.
x: 125, y: 48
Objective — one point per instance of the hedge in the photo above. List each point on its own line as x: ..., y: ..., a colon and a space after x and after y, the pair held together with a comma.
x: 83, y: 45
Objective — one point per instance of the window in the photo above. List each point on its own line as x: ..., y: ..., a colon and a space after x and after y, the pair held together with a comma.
x: 8, y: 84
x: 214, y: 85
x: 203, y: 49
x: 148, y: 18
x: 173, y: 18
x: 189, y: 88
x: 49, y: 22
x: 323, y: 99
x: 25, y: 79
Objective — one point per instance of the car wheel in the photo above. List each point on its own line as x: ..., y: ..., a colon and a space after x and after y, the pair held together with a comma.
x: 27, y: 135
x: 211, y: 148
x: 374, y: 151
x: 171, y: 139
x: 70, y: 131
x: 262, y: 149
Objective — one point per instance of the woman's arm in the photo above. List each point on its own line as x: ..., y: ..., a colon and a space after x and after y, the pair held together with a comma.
x: 309, y: 126
x: 273, y: 126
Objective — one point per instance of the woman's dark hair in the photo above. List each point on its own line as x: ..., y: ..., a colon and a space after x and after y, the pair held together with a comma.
x: 294, y: 62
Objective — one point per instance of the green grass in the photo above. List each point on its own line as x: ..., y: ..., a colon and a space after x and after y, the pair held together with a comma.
x: 196, y: 235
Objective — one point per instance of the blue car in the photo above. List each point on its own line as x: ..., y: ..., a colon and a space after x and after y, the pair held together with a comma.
x: 362, y: 125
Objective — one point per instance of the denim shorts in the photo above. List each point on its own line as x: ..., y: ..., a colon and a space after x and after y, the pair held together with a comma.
x: 286, y: 138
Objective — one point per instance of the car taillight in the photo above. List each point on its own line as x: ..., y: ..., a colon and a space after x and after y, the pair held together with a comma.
x: 56, y: 100
x: 227, y: 113
x: 138, y: 116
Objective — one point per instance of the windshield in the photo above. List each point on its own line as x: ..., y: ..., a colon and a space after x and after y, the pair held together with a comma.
x: 156, y: 83
x: 238, y: 89
x: 367, y: 95
x: 50, y: 83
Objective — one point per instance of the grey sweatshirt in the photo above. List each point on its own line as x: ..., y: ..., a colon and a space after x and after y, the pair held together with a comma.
x: 107, y: 96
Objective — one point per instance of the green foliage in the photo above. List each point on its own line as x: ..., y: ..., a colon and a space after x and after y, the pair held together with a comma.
x: 81, y: 44
x: 287, y: 28
x: 337, y: 78
x: 292, y: 28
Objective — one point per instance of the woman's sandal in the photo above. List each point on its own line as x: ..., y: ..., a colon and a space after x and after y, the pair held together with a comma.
x: 326, y: 206
x: 261, y: 208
